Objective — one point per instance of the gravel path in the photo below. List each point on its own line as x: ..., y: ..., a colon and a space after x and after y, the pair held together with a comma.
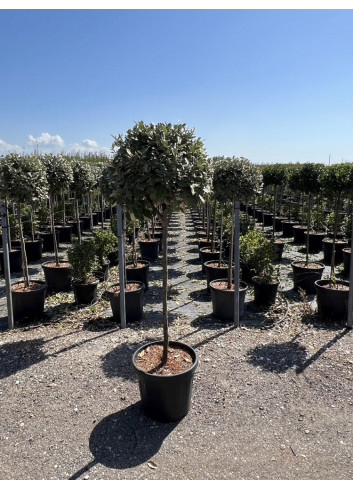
x: 272, y: 399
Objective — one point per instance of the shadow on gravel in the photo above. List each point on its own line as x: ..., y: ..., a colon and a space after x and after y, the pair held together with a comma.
x: 202, y: 295
x: 196, y: 275
x: 125, y: 439
x: 322, y: 350
x: 278, y: 357
x: 20, y: 355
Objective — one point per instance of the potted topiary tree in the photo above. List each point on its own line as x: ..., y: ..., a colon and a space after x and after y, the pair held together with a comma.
x: 82, y: 183
x: 105, y: 242
x: 159, y: 167
x: 234, y: 179
x: 305, y: 273
x: 259, y: 256
x: 332, y: 294
x: 83, y: 259
x: 59, y: 175
x: 23, y: 180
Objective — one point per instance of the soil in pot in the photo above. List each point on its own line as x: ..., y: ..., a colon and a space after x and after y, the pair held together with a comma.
x: 134, y: 297
x: 223, y: 299
x: 206, y: 255
x: 149, y: 249
x: 332, y: 299
x: 138, y: 272
x: 214, y: 271
x: 57, y: 277
x: 28, y: 302
x: 165, y: 390
x: 305, y: 275
x: 265, y: 293
x: 339, y: 245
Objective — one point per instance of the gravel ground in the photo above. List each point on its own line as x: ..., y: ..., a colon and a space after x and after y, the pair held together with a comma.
x: 272, y: 399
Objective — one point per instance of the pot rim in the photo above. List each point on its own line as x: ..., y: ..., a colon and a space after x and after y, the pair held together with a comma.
x: 325, y: 281
x: 303, y: 261
x: 53, y: 261
x: 241, y: 282
x: 37, y: 281
x: 126, y: 292
x: 171, y: 342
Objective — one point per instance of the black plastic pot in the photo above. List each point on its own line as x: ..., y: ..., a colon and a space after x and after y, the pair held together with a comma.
x: 278, y: 222
x: 102, y: 273
x: 206, y: 255
x: 86, y: 222
x: 339, y: 245
x: 265, y: 293
x: 223, y: 301
x: 305, y: 277
x: 332, y: 303
x: 287, y: 228
x: 315, y: 240
x: 74, y: 227
x: 65, y: 233
x: 298, y: 234
x: 346, y: 252
x: 58, y: 279
x: 29, y: 304
x: 149, y: 249
x: 214, y: 272
x: 166, y: 398
x: 268, y: 219
x: 279, y: 249
x: 85, y: 293
x: 34, y: 250
x: 95, y: 218
x: 48, y: 240
x: 15, y: 259
x: 138, y: 274
x: 133, y: 302
x: 113, y: 257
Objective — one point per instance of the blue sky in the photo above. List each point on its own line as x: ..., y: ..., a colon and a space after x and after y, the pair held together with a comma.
x: 269, y: 85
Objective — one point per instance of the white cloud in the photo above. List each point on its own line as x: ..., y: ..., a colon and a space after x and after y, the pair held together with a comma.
x: 9, y: 148
x: 45, y: 139
x: 88, y: 146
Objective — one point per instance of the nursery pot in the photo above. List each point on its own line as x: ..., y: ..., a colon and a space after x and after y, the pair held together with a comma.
x: 206, y: 255
x: 268, y: 219
x: 74, y: 226
x: 102, y: 273
x: 223, y: 299
x: 306, y: 276
x: 279, y: 244
x: 166, y: 398
x: 28, y: 303
x: 133, y: 301
x: 214, y: 272
x: 139, y: 273
x: 86, y: 222
x: 58, y: 278
x: 332, y: 302
x: 15, y: 259
x: 346, y: 252
x: 315, y: 240
x: 287, y: 228
x: 48, y: 239
x: 65, y: 233
x: 85, y: 293
x: 339, y: 245
x: 149, y: 249
x: 265, y: 293
x: 278, y: 222
x: 113, y: 257
x: 34, y: 250
x: 298, y: 233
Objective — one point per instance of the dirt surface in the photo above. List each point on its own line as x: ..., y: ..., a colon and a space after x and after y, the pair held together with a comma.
x: 272, y: 399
